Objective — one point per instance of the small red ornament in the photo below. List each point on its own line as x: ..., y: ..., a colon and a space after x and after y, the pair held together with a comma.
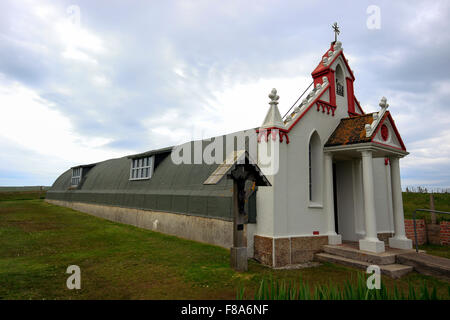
x: 384, y: 132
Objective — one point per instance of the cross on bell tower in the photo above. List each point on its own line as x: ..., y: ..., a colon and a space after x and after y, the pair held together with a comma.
x: 335, y: 30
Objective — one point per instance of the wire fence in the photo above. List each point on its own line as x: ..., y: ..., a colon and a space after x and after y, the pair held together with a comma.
x: 419, y: 189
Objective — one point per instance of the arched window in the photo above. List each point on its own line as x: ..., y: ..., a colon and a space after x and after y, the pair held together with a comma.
x: 339, y: 81
x: 315, y: 156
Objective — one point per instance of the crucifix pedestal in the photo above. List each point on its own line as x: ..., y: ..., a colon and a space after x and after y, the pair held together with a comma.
x: 239, y: 248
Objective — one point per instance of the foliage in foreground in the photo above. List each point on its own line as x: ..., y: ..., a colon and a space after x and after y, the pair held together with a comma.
x: 117, y: 261
x: 280, y: 290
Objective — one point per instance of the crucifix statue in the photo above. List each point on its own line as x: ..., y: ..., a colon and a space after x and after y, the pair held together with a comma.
x: 241, y: 169
x: 241, y: 173
x: 335, y: 30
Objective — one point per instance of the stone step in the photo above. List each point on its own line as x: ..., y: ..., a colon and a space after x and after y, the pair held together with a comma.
x: 355, y: 254
x: 427, y: 264
x: 392, y: 270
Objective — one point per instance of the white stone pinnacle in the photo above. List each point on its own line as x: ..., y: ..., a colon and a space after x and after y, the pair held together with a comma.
x: 377, y: 116
x: 273, y: 117
x: 383, y: 103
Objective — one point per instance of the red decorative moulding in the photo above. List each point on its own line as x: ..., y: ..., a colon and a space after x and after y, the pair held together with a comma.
x: 325, y: 106
x: 384, y: 132
x: 274, y: 132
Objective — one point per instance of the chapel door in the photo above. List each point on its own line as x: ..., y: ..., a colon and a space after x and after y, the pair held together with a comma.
x: 344, y: 200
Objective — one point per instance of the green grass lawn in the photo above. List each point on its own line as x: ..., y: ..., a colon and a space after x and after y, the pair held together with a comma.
x: 39, y: 241
x: 441, y: 251
x: 413, y: 201
x: 22, y: 195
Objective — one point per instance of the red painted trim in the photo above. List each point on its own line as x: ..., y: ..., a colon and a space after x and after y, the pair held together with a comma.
x: 270, y: 128
x: 379, y: 126
x: 325, y: 105
x: 274, y: 134
x: 387, y: 145
x: 301, y: 116
x: 396, y: 131
x: 332, y: 81
x: 317, y: 73
x: 284, y: 134
x: 350, y: 96
x: 388, y: 115
x: 357, y: 103
x: 384, y: 132
x: 346, y: 64
x: 317, y: 80
x: 273, y: 131
x: 304, y: 112
x: 316, y: 233
x: 321, y: 73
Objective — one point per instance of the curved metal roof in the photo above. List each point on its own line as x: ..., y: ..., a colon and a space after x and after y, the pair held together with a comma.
x: 173, y: 187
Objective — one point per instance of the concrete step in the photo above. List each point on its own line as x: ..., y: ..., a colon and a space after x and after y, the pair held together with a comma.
x: 392, y: 270
x: 355, y: 254
x: 427, y: 264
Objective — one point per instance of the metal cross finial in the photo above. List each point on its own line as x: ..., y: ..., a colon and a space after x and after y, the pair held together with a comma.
x: 335, y: 30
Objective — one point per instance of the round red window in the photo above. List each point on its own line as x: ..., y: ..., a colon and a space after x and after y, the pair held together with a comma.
x: 384, y: 132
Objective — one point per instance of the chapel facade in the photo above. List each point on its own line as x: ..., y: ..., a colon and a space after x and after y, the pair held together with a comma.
x: 334, y: 174
x: 339, y: 173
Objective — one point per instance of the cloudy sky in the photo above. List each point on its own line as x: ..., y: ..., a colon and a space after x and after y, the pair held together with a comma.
x: 83, y: 81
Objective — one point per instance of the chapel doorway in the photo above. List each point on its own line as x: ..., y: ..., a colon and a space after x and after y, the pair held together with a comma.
x: 344, y: 200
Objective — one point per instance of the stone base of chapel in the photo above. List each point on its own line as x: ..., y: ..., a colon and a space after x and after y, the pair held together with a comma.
x: 281, y: 252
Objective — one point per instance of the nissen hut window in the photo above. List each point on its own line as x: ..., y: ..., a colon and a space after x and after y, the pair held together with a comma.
x: 76, y: 176
x: 141, y: 168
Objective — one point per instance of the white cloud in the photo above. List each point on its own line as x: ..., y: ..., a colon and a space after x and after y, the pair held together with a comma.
x: 428, y: 22
x: 244, y: 105
x: 31, y: 123
x: 157, y: 74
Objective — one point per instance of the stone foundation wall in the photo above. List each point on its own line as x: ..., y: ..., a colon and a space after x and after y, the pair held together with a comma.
x: 280, y: 252
x: 208, y: 230
x: 384, y: 236
x: 263, y: 250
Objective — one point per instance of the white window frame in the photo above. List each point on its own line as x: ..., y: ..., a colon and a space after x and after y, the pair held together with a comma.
x: 142, y: 168
x: 77, y: 173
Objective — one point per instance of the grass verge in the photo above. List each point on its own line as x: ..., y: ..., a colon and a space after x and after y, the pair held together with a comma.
x: 40, y: 240
x: 413, y: 201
